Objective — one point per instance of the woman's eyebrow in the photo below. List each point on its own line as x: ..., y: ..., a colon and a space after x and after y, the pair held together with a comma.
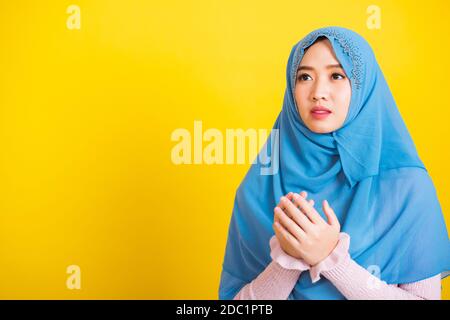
x: 328, y: 67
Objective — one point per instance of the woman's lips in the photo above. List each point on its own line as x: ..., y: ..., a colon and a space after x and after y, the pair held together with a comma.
x: 320, y: 115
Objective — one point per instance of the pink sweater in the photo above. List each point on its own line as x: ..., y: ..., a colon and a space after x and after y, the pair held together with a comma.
x: 354, y: 282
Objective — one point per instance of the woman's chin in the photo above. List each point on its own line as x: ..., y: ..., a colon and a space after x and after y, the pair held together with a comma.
x: 320, y: 127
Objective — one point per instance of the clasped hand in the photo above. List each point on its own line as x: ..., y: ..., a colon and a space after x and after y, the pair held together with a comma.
x: 302, y: 232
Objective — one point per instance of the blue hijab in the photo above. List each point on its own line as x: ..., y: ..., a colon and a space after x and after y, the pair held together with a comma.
x: 368, y: 170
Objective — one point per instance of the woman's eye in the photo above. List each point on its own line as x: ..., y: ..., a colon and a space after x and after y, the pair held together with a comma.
x: 337, y: 75
x: 303, y: 77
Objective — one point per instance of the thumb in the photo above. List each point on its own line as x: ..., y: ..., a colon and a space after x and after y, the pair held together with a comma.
x: 329, y: 212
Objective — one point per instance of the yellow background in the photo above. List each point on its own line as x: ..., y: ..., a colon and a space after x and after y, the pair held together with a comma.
x: 86, y: 118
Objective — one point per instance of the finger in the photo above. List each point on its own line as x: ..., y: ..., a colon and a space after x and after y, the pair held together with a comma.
x: 296, y: 215
x: 290, y: 196
x: 284, y: 201
x: 329, y: 212
x: 303, y: 194
x: 284, y: 235
x: 289, y: 224
x: 308, y: 209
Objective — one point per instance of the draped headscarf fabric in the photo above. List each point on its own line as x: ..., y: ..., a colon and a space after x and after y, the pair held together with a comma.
x: 368, y: 170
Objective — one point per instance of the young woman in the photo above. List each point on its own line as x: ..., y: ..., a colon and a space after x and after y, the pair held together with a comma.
x: 342, y: 143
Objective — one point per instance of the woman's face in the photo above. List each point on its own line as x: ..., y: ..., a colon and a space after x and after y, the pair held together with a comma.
x: 321, y: 81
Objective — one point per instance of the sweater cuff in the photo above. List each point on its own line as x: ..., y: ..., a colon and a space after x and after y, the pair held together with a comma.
x: 283, y: 259
x: 336, y: 257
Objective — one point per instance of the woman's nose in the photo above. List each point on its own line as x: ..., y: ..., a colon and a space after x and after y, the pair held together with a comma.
x: 320, y: 91
x: 320, y: 95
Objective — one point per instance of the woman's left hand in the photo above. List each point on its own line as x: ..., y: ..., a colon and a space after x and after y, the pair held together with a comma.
x: 319, y: 237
